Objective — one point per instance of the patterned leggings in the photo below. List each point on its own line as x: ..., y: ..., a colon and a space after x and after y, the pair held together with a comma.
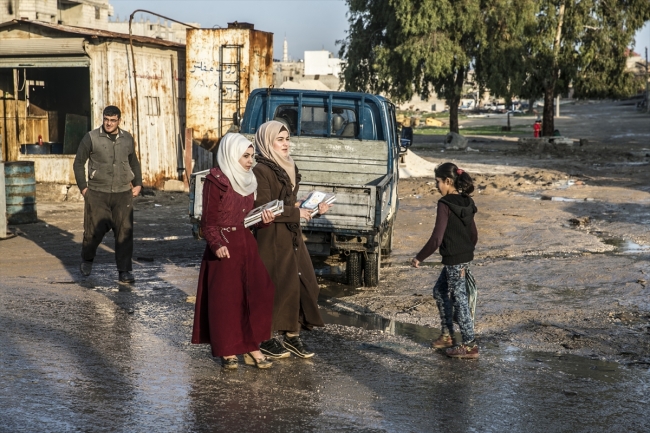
x: 451, y: 297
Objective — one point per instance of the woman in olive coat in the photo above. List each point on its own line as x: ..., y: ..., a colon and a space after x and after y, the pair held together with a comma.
x: 281, y: 246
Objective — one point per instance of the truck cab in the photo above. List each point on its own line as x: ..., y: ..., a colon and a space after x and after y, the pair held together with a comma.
x: 347, y: 144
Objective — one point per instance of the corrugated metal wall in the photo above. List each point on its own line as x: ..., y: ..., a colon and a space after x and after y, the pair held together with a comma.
x: 160, y: 75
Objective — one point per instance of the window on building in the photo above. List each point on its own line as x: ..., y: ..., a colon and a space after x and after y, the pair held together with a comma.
x: 97, y: 13
x: 153, y: 105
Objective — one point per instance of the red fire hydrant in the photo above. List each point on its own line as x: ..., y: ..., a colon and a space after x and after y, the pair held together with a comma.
x: 537, y: 129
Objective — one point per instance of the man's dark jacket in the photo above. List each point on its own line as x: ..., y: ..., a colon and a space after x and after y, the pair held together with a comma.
x: 113, y: 166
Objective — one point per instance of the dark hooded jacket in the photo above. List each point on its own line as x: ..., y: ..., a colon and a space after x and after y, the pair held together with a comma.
x: 454, y: 232
x: 457, y: 244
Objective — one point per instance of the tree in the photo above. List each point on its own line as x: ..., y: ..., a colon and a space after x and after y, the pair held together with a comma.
x: 564, y: 42
x: 501, y: 64
x: 605, y: 48
x: 403, y: 47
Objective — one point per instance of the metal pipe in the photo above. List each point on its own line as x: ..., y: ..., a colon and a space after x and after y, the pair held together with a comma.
x: 3, y: 202
x: 176, y: 126
x: 135, y: 76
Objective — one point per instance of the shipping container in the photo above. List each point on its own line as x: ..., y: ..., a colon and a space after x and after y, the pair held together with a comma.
x: 223, y: 67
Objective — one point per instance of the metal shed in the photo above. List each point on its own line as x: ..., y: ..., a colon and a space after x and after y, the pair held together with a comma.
x: 55, y: 81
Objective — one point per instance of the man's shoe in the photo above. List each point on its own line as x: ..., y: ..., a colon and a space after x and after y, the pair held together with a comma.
x: 443, y: 342
x: 463, y: 351
x: 126, y: 277
x: 297, y: 347
x: 86, y: 267
x: 273, y: 349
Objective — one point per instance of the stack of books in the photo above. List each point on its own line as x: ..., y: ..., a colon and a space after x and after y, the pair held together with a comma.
x: 315, y: 198
x: 255, y: 216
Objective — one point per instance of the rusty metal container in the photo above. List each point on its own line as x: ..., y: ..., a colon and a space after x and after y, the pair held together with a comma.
x: 223, y: 67
x: 20, y: 189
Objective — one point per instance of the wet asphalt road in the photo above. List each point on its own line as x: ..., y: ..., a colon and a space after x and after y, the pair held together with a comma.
x: 90, y: 355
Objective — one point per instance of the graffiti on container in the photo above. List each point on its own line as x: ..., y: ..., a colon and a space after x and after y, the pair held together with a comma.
x: 201, y: 84
x: 227, y: 70
x: 230, y: 91
x: 202, y: 67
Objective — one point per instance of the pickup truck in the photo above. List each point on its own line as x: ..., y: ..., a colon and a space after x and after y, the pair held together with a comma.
x: 343, y: 143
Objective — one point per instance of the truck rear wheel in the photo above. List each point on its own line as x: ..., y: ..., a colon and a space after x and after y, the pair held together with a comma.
x: 371, y: 267
x: 353, y: 269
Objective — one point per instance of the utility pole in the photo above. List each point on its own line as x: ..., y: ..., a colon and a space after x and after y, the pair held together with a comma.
x: 647, y: 92
x: 3, y: 201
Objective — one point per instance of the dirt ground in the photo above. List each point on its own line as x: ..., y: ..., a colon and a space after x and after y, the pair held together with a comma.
x: 568, y: 274
x: 562, y: 262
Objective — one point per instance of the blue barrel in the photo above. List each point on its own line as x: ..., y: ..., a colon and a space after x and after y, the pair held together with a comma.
x: 56, y: 148
x: 36, y: 149
x: 20, y: 188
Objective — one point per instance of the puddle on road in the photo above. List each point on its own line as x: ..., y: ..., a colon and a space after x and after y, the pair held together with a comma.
x: 417, y: 333
x: 625, y: 246
x: 577, y: 366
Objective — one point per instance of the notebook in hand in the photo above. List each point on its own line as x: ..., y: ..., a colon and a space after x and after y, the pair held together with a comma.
x: 255, y: 215
x: 315, y: 198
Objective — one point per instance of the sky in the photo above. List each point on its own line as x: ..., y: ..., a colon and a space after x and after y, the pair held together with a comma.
x: 307, y: 24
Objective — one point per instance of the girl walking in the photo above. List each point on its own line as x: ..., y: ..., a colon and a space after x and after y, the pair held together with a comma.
x: 281, y: 246
x: 456, y: 235
x: 234, y: 298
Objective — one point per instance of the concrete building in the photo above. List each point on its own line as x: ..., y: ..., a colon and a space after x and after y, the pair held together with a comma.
x: 322, y: 63
x: 55, y: 81
x: 84, y: 13
x: 287, y: 72
x: 94, y: 14
x: 159, y: 29
x: 319, y: 71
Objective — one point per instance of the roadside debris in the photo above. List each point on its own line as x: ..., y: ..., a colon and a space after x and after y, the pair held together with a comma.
x: 455, y: 141
x: 580, y: 221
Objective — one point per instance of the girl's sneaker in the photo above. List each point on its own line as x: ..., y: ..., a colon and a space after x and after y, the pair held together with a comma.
x: 443, y: 342
x: 463, y: 351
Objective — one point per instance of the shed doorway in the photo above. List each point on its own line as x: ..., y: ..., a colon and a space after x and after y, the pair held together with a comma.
x: 43, y: 110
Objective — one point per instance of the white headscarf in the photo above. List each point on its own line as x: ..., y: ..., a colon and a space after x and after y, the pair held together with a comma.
x: 231, y: 148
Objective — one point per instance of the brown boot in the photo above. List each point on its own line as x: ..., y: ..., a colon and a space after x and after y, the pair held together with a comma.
x: 463, y: 351
x: 443, y: 342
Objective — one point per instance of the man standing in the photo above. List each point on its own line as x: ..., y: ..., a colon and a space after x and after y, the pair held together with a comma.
x: 114, y: 178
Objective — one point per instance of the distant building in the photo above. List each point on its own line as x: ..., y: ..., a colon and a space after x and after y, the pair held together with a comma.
x: 322, y: 63
x: 93, y: 14
x: 635, y: 63
x: 319, y: 71
x: 82, y: 13
x: 158, y: 29
x: 287, y: 72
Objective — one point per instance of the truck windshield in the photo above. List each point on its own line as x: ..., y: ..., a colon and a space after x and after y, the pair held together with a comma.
x: 314, y: 120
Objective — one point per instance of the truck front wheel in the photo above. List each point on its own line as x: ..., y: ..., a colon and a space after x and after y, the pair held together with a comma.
x: 371, y: 267
x: 353, y: 269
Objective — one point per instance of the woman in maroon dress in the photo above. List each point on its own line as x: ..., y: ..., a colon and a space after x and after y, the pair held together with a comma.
x: 234, y: 299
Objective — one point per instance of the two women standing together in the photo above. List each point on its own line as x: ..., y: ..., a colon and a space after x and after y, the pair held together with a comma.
x: 249, y: 288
